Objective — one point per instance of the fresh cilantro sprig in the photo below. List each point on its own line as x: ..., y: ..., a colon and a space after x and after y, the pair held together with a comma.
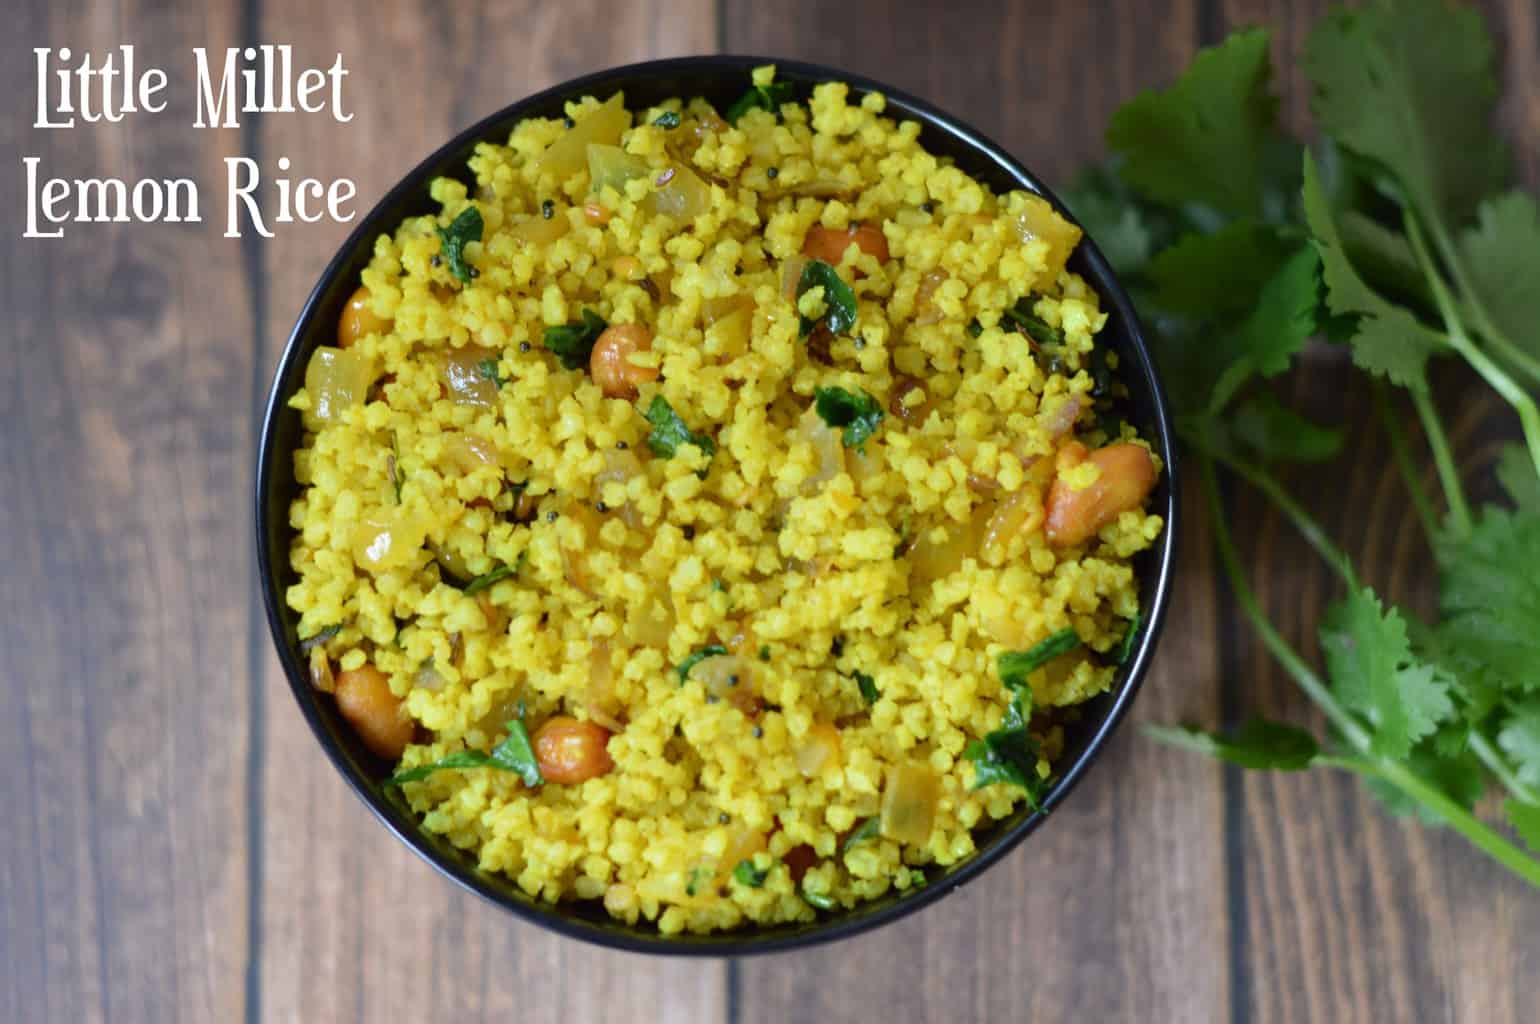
x: 1397, y: 236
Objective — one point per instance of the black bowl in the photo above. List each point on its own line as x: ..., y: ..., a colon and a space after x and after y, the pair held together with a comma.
x: 720, y: 79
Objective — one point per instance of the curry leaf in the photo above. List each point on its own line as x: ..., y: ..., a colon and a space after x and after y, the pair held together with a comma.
x: 669, y: 432
x: 839, y: 298
x: 463, y: 230
x: 573, y: 343
x: 856, y: 412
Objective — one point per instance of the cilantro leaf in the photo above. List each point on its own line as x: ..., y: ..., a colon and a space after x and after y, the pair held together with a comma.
x: 1369, y: 659
x: 869, y: 829
x: 1520, y: 740
x: 745, y: 873
x: 486, y: 579
x: 1015, y: 666
x: 1389, y: 341
x: 1124, y: 230
x: 1219, y: 274
x: 1489, y: 596
x: 669, y: 432
x: 463, y: 230
x: 856, y: 411
x: 1458, y: 775
x: 696, y: 657
x: 760, y: 97
x: 838, y: 296
x: 1423, y: 112
x: 1278, y: 327
x: 1500, y: 256
x: 1516, y: 474
x: 1205, y: 138
x: 1259, y: 744
x: 867, y: 685
x: 1525, y: 819
x: 573, y: 343
x: 1278, y: 434
x: 514, y: 754
x: 1009, y: 754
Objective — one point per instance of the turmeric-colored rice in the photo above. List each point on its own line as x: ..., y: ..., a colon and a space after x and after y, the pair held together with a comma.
x: 449, y: 443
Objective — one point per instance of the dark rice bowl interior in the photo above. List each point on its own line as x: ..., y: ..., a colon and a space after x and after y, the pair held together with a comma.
x: 720, y: 80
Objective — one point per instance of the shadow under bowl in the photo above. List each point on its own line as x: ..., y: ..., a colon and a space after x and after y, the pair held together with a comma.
x: 720, y: 79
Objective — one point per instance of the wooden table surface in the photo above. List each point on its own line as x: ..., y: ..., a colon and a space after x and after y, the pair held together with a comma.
x: 178, y: 848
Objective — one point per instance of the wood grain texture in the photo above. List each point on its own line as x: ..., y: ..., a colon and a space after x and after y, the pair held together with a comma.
x: 354, y: 927
x: 1353, y: 915
x: 125, y: 363
x: 1061, y: 928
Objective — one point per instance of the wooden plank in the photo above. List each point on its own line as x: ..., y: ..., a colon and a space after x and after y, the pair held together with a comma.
x: 1115, y: 910
x: 354, y: 926
x: 1353, y: 915
x: 124, y: 476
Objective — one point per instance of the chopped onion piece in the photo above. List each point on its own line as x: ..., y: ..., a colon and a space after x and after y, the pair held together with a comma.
x: 612, y: 167
x: 537, y: 230
x: 819, y: 750
x: 384, y: 542
x: 321, y: 670
x: 683, y: 197
x: 463, y: 378
x: 1036, y: 219
x: 909, y: 803
x: 569, y: 153
x: 336, y: 380
x: 827, y: 446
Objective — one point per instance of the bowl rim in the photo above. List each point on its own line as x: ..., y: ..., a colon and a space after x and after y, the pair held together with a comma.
x: 746, y: 941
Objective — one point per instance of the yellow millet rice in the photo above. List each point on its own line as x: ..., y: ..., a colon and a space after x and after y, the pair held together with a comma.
x: 812, y: 562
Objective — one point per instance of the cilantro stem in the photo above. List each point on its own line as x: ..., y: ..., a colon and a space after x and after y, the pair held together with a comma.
x: 1482, y: 320
x: 1479, y: 833
x: 1401, y: 450
x: 1496, y: 376
x: 1498, y: 766
x: 1308, y: 681
x: 1308, y: 528
x: 1443, y: 458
